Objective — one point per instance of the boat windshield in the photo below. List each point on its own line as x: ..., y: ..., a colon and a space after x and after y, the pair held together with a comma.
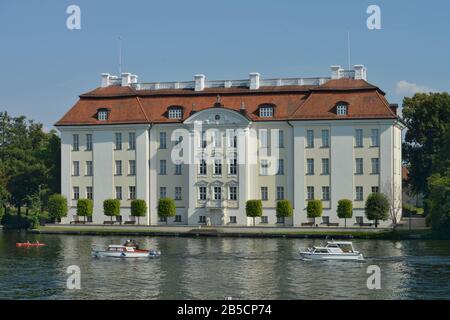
x: 346, y: 247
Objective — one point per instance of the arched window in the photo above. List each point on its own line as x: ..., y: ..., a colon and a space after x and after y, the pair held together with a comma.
x: 266, y: 110
x: 175, y: 112
x: 341, y: 109
x: 102, y: 114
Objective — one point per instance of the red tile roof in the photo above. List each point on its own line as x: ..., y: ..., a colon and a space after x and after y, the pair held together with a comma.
x: 127, y: 105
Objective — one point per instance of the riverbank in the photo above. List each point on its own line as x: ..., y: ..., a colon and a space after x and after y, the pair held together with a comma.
x: 249, y: 232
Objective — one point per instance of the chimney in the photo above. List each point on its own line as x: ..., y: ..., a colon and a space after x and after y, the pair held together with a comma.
x: 126, y: 79
x: 242, y: 109
x: 394, y: 107
x: 105, y: 80
x: 360, y: 72
x: 336, y: 72
x: 254, y: 80
x: 133, y: 79
x: 199, y: 82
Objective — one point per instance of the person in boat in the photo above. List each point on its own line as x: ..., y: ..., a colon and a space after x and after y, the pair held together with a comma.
x: 131, y: 243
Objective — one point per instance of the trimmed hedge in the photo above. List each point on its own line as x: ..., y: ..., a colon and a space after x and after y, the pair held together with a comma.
x: 85, y: 208
x: 409, y: 210
x: 345, y: 210
x: 166, y: 208
x: 253, y: 209
x: 314, y: 209
x: 377, y: 207
x: 57, y: 207
x: 284, y: 208
x: 111, y: 208
x: 138, y: 208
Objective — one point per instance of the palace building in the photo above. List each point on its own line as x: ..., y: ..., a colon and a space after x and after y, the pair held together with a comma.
x: 328, y: 138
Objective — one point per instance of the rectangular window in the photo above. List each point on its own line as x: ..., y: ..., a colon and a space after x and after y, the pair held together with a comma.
x: 89, y: 193
x: 89, y: 168
x: 178, y: 195
x: 375, y: 138
x: 201, y: 219
x: 202, y: 193
x: 359, y: 166
x: 118, y: 145
x: 162, y: 167
x: 218, y: 167
x: 358, y: 138
x: 232, y: 138
x: 326, y: 220
x: 162, y: 140
x: 131, y: 140
x: 178, y: 169
x: 118, y: 167
x: 203, y: 139
x: 280, y: 139
x: 76, y: 193
x: 325, y: 193
x: 75, y: 142
x: 264, y: 194
x: 76, y: 168
x: 280, y: 167
x: 325, y: 138
x: 202, y: 167
x: 264, y: 167
x: 233, y: 167
x: 162, y: 219
x: 132, y: 192
x: 359, y: 194
x: 119, y: 193
x: 177, y: 218
x: 375, y: 189
x: 89, y: 142
x: 233, y: 193
x: 280, y: 193
x: 325, y: 166
x: 310, y: 138
x: 265, y: 112
x: 263, y: 141
x: 375, y: 165
x: 309, y: 166
x: 233, y: 219
x: 132, y: 165
x: 162, y: 192
x: 264, y: 219
x: 175, y: 113
x: 217, y: 136
x: 217, y: 193
x: 310, y: 193
x: 281, y: 220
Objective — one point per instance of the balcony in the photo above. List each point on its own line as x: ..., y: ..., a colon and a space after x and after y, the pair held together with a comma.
x: 216, y: 204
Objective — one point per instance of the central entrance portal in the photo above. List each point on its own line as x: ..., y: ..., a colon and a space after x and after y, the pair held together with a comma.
x: 216, y: 217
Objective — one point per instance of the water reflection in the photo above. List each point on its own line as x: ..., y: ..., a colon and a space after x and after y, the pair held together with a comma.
x: 213, y: 268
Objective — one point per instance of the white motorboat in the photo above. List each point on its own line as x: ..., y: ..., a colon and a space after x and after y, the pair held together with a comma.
x: 129, y: 250
x: 333, y: 250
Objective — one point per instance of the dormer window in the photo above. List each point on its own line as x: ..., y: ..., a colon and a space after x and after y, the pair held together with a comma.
x: 266, y: 111
x: 341, y: 109
x: 102, y: 114
x: 175, y: 113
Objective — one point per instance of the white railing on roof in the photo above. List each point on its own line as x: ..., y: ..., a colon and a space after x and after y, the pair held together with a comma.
x: 346, y: 74
x: 231, y: 83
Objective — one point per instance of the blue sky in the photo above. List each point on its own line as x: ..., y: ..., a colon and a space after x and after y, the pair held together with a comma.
x: 44, y: 66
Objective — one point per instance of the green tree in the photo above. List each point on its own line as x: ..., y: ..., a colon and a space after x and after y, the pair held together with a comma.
x: 439, y: 201
x: 284, y: 209
x: 34, y: 204
x: 138, y: 208
x: 345, y: 209
x: 427, y: 119
x: 111, y: 208
x: 166, y: 208
x: 253, y: 209
x: 57, y: 207
x: 85, y: 208
x: 314, y: 209
x: 377, y: 207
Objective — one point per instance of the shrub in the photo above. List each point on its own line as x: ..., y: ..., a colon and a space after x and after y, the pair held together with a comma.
x: 166, y: 208
x: 111, y: 208
x: 345, y: 210
x: 314, y: 209
x: 57, y: 207
x: 85, y: 208
x: 284, y: 208
x: 253, y: 209
x: 138, y: 208
x: 2, y: 212
x: 377, y: 207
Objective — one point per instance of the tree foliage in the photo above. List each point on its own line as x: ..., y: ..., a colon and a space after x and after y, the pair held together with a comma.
x: 314, y: 209
x: 345, y: 209
x: 253, y: 209
x: 284, y: 208
x: 57, y: 207
x: 138, y: 208
x: 85, y: 208
x: 166, y: 208
x: 377, y: 207
x: 111, y: 208
x: 439, y: 201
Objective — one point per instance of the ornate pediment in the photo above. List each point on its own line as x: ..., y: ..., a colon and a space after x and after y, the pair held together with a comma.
x: 218, y: 116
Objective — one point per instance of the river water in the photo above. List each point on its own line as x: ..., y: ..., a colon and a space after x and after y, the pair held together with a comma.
x: 215, y: 268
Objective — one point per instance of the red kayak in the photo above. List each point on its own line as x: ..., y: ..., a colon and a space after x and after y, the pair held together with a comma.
x: 28, y: 244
